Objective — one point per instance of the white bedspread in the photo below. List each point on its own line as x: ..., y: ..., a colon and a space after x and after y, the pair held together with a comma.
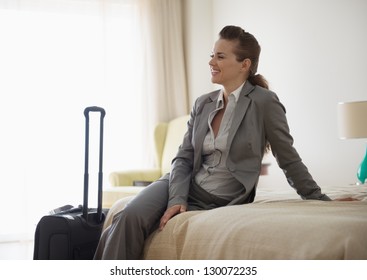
x: 278, y: 225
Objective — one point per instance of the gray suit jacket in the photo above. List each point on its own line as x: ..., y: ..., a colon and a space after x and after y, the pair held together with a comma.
x: 259, y: 118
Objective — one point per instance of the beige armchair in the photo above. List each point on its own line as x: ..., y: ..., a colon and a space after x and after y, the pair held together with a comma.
x: 167, y: 139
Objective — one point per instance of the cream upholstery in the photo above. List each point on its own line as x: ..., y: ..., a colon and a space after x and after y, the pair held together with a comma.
x: 167, y: 138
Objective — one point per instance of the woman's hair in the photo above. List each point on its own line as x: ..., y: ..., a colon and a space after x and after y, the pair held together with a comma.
x: 247, y: 47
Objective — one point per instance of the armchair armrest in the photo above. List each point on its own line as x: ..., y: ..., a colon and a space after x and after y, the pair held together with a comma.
x: 126, y: 178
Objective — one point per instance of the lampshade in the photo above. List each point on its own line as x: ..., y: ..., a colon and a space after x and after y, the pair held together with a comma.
x: 352, y: 119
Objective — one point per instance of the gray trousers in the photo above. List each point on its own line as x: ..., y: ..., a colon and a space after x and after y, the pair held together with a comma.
x: 124, y: 239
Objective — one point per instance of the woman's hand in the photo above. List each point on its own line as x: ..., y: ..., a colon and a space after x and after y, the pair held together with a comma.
x: 346, y: 199
x: 170, y: 212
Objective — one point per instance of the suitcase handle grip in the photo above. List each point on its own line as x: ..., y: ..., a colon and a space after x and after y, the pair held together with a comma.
x: 86, y: 160
x: 94, y: 109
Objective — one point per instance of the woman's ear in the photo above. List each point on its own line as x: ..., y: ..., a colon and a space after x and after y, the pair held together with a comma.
x: 246, y: 65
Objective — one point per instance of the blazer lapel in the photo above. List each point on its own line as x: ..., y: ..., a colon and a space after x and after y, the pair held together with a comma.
x: 240, y: 111
x: 202, y: 126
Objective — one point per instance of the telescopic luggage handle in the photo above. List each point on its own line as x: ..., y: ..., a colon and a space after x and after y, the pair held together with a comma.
x: 94, y: 109
x: 100, y: 173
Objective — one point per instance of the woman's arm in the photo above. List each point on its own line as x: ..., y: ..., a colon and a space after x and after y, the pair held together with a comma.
x: 278, y: 135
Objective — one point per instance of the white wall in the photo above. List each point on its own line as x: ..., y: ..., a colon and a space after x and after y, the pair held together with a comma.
x: 313, y: 55
x: 198, y: 45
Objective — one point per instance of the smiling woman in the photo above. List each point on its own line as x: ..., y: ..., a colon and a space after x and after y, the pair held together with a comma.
x: 55, y: 61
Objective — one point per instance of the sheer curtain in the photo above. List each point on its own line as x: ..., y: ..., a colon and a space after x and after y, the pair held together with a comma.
x: 162, y: 26
x: 57, y: 57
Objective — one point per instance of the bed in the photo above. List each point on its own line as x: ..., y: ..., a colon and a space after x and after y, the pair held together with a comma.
x: 277, y: 226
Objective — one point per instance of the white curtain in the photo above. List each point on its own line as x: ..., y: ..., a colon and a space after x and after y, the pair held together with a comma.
x: 58, y: 57
x: 166, y: 84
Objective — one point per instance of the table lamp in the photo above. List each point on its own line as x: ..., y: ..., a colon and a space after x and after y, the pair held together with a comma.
x: 352, y: 123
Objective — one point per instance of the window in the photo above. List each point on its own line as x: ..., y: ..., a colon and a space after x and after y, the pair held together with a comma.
x: 56, y: 59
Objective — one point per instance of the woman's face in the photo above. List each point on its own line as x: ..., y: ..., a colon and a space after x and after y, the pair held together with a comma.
x: 224, y: 67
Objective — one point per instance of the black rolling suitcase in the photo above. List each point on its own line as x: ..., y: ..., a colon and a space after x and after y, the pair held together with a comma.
x: 73, y: 234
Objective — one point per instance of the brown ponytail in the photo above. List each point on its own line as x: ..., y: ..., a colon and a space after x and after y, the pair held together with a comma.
x: 258, y: 80
x: 247, y: 47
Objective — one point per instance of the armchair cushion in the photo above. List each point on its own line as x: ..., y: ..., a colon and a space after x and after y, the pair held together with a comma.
x: 127, y: 178
x: 174, y: 136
